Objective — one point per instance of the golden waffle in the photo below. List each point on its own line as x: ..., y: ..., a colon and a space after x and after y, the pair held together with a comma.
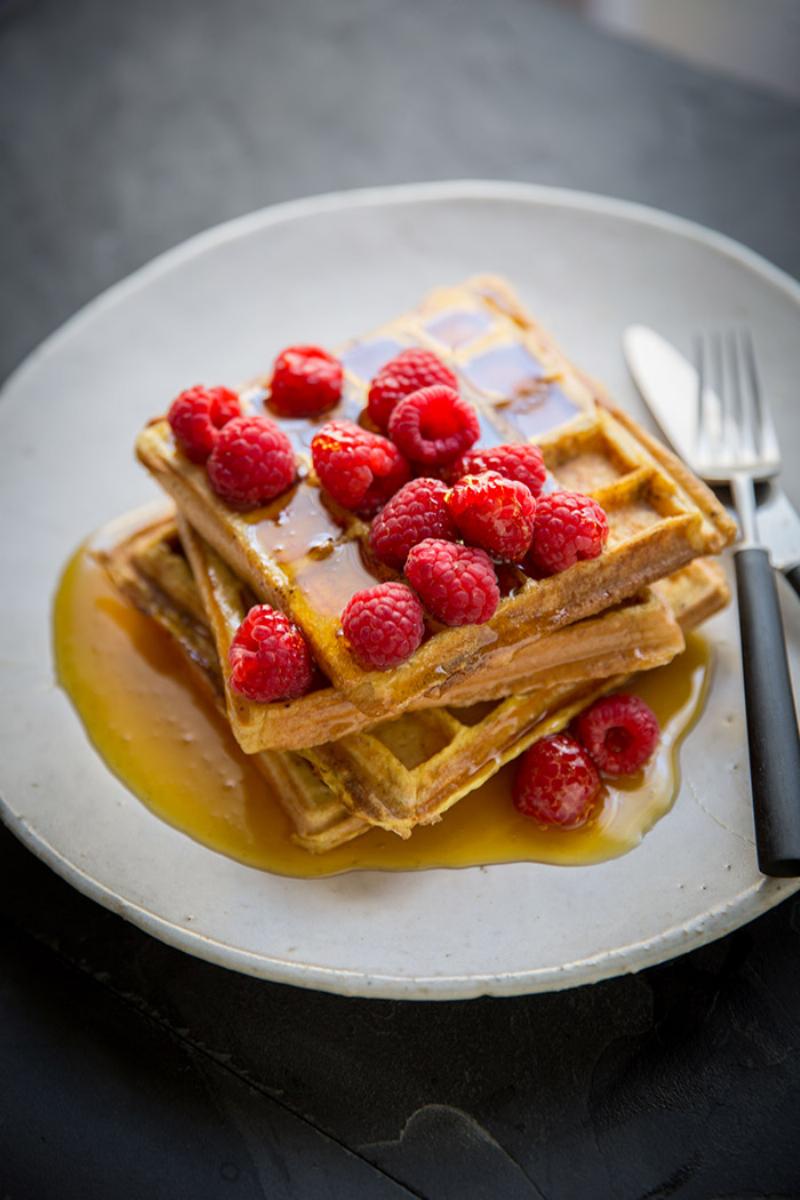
x: 306, y: 556
x: 410, y: 770
x: 403, y: 772
x: 151, y: 570
x: 640, y: 634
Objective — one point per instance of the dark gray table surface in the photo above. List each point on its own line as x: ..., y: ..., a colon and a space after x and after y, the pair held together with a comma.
x: 128, y: 1069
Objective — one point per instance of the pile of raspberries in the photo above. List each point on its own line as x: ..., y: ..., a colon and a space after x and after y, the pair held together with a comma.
x: 443, y: 512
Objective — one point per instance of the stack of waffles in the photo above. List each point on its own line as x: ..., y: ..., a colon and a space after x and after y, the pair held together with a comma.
x: 397, y: 748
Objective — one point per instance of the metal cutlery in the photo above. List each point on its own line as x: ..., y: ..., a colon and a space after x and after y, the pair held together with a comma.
x: 728, y: 437
x: 669, y: 386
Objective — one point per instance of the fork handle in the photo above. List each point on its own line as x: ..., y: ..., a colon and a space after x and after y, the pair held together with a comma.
x: 793, y: 575
x: 771, y: 722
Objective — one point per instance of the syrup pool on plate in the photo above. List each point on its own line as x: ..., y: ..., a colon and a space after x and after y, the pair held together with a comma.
x: 156, y: 729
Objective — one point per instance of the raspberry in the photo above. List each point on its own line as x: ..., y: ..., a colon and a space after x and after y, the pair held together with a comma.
x: 434, y: 425
x: 569, y: 527
x: 359, y: 469
x: 269, y: 657
x: 197, y: 416
x: 305, y: 381
x: 457, y: 584
x: 414, y: 513
x: 518, y: 461
x: 620, y: 732
x: 494, y: 513
x: 251, y: 463
x: 407, y: 372
x: 384, y: 625
x: 557, y: 783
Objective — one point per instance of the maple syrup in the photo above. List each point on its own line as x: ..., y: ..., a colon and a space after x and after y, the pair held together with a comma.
x: 364, y: 358
x: 458, y: 327
x: 504, y: 370
x: 531, y: 402
x: 302, y: 536
x: 156, y: 729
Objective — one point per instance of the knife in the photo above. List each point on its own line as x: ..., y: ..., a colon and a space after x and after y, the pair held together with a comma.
x: 668, y: 384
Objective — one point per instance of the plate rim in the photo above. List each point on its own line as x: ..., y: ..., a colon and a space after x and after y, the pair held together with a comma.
x: 479, y: 189
x: 701, y: 929
x: 704, y: 928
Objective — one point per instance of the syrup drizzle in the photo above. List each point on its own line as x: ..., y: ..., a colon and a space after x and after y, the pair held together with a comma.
x: 516, y: 385
x: 301, y: 534
x: 365, y: 358
x: 299, y: 531
x: 458, y: 327
x: 155, y: 728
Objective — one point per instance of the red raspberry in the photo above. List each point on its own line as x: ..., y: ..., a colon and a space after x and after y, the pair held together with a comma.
x: 251, y: 463
x: 620, y: 732
x: 414, y: 513
x: 557, y: 783
x: 457, y: 584
x: 407, y: 372
x: 197, y: 416
x: 494, y: 513
x: 434, y: 425
x: 359, y: 469
x: 384, y: 625
x: 306, y: 381
x: 269, y: 657
x: 569, y: 527
x: 518, y: 461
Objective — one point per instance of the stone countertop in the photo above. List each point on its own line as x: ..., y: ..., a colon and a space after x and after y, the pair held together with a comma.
x: 129, y: 1069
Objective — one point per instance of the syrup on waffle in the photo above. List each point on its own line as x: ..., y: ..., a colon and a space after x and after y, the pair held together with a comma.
x: 591, y: 649
x: 306, y: 556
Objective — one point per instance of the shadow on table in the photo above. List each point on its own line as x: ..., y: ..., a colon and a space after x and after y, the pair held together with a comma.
x: 132, y: 1061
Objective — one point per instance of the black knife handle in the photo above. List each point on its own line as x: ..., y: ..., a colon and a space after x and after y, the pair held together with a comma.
x: 771, y: 722
x: 793, y: 575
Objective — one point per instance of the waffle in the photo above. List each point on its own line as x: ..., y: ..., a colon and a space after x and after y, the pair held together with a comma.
x: 306, y: 556
x: 640, y: 634
x: 403, y: 772
x: 149, y: 567
x: 410, y: 770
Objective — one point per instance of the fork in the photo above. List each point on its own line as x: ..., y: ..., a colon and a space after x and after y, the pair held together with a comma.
x: 736, y: 444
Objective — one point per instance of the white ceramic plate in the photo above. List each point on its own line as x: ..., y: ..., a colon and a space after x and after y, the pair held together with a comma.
x: 219, y: 307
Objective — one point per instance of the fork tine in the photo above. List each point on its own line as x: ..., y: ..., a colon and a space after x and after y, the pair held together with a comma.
x: 741, y: 419
x: 734, y: 430
x: 751, y: 371
x: 722, y: 393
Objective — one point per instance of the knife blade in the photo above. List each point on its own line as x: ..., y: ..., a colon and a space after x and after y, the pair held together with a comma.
x: 668, y: 384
